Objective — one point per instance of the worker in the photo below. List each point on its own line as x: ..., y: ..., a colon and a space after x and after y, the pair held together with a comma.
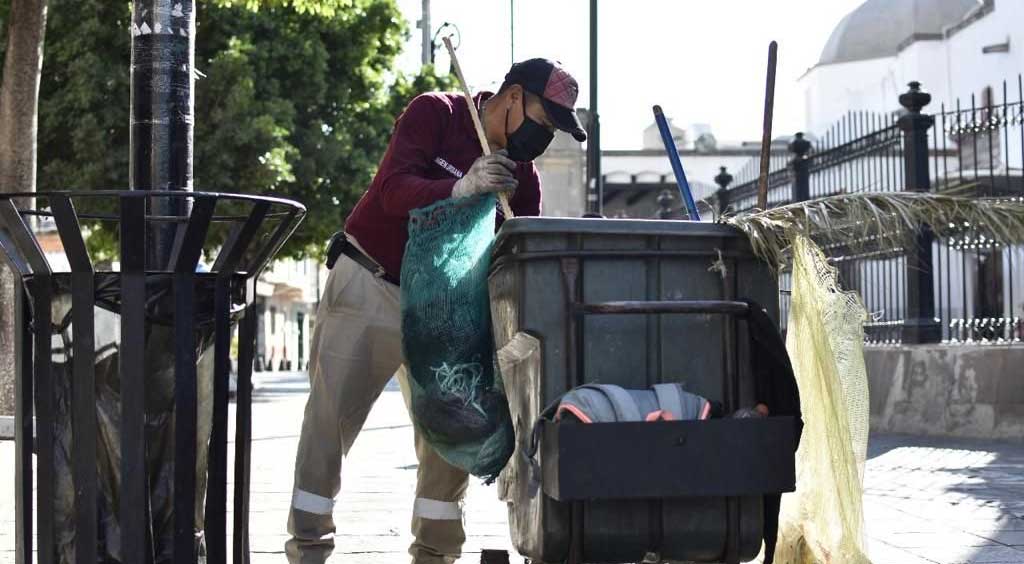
x: 434, y: 154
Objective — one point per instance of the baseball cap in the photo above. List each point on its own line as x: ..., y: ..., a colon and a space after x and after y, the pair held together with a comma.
x: 556, y: 88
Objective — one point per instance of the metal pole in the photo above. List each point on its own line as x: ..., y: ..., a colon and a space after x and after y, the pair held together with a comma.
x: 427, y: 55
x: 724, y: 179
x: 920, y: 325
x: 160, y: 158
x: 162, y: 116
x: 512, y: 30
x: 595, y: 188
x: 801, y: 167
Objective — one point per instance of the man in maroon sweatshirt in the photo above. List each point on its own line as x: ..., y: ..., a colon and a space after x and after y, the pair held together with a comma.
x: 434, y: 154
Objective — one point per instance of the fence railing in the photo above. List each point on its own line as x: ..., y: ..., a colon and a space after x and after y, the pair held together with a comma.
x: 959, y: 288
x: 871, y: 162
x: 983, y: 144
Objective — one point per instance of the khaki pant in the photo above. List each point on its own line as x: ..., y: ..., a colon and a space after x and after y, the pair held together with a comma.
x: 356, y: 349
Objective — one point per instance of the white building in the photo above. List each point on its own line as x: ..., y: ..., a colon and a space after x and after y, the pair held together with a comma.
x: 563, y: 176
x: 652, y: 136
x: 954, y: 48
x: 287, y: 295
x: 959, y: 50
x: 635, y: 178
x: 651, y: 167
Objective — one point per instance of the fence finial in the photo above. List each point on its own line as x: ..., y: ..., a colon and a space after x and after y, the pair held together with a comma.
x: 799, y: 146
x: 665, y: 201
x: 915, y: 98
x: 723, y: 179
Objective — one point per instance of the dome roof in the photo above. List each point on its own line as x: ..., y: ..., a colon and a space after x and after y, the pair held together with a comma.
x: 878, y: 28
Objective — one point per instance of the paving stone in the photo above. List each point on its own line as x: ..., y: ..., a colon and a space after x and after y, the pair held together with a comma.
x: 972, y: 555
x: 907, y: 525
x: 984, y: 527
x: 935, y: 539
x: 1007, y: 537
x: 881, y: 553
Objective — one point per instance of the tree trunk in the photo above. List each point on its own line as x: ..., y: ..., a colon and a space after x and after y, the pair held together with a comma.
x: 19, y: 101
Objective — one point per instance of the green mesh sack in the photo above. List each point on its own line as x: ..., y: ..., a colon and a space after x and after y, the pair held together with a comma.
x: 458, y: 402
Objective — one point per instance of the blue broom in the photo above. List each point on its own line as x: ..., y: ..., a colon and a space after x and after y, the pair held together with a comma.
x: 677, y: 166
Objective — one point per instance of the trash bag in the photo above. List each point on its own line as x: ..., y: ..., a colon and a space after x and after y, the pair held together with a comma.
x: 159, y: 374
x: 823, y: 520
x: 458, y: 401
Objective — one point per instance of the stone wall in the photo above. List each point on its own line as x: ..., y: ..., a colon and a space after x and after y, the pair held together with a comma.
x: 958, y: 391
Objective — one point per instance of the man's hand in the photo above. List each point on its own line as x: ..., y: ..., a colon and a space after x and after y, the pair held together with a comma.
x: 490, y: 174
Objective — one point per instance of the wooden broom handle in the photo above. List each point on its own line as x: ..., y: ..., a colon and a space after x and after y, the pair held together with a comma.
x: 766, y: 132
x: 505, y: 208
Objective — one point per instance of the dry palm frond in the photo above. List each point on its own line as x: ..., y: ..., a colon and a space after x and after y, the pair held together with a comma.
x: 856, y: 220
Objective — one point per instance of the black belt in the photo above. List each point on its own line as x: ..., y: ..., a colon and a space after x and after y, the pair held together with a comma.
x: 340, y: 245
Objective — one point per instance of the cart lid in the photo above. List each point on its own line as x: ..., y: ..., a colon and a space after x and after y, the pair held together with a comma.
x: 527, y: 227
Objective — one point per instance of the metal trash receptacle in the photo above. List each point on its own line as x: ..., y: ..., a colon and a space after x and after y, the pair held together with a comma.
x: 131, y: 427
x: 551, y: 282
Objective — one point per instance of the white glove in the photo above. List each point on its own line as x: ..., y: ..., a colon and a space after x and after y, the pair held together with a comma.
x: 494, y: 173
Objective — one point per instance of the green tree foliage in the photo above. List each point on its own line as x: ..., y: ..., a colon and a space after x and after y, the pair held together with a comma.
x: 296, y: 99
x: 319, y: 7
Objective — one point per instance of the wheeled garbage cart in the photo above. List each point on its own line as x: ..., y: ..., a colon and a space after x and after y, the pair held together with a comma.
x: 636, y: 303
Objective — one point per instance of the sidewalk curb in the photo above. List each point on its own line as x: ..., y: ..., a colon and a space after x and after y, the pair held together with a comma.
x: 6, y: 427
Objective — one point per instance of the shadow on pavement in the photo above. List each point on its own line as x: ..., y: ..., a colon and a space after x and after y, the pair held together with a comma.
x: 970, y: 492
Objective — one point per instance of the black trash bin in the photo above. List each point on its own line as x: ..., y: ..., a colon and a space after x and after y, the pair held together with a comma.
x: 125, y: 370
x: 634, y: 303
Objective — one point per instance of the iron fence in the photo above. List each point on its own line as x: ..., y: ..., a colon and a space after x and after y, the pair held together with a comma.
x: 979, y: 289
x: 877, y: 270
x: 957, y: 288
x: 861, y: 153
x: 742, y: 192
x: 982, y: 146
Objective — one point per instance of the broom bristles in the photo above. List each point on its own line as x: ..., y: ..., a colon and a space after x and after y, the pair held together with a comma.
x: 870, y: 219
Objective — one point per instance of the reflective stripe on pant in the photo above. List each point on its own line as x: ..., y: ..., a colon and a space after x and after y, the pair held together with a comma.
x: 437, y: 511
x: 356, y: 349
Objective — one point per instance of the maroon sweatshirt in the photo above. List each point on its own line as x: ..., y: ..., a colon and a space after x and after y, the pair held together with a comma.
x: 432, y: 146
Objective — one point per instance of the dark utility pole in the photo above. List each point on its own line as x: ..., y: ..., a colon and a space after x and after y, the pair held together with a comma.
x: 595, y: 191
x: 162, y: 119
x: 162, y: 102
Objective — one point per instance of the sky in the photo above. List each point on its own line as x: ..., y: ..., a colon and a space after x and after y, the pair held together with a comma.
x: 703, y: 61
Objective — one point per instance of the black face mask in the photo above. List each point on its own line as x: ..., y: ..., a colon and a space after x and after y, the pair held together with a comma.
x: 529, y: 140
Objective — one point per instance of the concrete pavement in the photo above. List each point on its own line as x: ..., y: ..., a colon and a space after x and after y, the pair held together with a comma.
x: 375, y: 506
x: 944, y: 501
x: 926, y: 501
